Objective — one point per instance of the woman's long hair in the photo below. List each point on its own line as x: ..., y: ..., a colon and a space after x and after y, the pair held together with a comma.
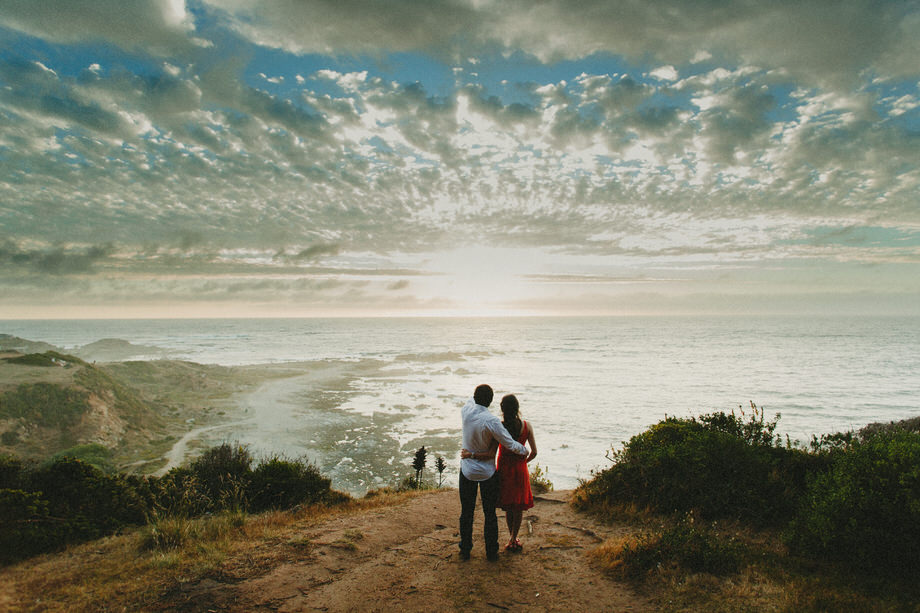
x: 511, y: 417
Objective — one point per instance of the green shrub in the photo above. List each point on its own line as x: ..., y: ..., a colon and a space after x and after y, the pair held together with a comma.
x: 66, y: 501
x: 94, y: 454
x: 279, y: 483
x: 26, y: 528
x: 718, y: 465
x: 10, y: 472
x: 179, y: 493
x: 93, y: 503
x: 911, y: 424
x: 46, y: 404
x: 222, y: 471
x: 684, y: 546
x: 864, y: 510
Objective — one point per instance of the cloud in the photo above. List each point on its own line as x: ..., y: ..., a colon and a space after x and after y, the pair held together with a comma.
x: 161, y: 26
x: 386, y: 166
x: 696, y: 134
x: 664, y: 73
x: 54, y: 261
x: 824, y: 41
x: 350, y: 26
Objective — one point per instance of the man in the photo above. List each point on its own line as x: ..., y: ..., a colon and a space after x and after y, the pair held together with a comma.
x: 479, y: 428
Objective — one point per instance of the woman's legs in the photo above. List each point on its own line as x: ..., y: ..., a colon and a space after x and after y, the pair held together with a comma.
x: 514, y: 519
x: 515, y: 523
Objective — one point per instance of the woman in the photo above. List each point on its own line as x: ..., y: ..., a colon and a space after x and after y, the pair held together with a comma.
x: 515, y: 496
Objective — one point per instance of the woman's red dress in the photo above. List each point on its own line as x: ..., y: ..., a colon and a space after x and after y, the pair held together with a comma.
x: 514, y: 493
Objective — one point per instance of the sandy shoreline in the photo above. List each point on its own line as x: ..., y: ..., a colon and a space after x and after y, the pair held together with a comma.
x: 304, y: 410
x: 271, y: 407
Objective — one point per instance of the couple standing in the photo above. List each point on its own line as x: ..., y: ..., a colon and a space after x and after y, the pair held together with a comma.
x: 507, y: 487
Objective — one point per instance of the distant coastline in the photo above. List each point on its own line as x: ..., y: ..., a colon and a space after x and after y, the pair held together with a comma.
x: 401, y: 380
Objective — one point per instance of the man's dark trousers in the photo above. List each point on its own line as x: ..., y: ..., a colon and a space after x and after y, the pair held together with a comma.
x: 489, y: 493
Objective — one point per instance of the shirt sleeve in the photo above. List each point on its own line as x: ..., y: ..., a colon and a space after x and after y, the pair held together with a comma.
x: 501, y: 434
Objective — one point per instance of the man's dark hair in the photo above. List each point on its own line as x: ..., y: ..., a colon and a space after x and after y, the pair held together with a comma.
x: 483, y: 395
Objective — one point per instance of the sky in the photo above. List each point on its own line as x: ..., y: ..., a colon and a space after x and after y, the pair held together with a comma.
x: 234, y: 158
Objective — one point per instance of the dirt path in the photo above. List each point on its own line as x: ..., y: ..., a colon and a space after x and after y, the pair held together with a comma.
x: 404, y: 558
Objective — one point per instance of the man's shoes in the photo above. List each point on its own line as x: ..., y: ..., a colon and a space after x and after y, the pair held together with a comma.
x: 492, y: 557
x: 464, y: 555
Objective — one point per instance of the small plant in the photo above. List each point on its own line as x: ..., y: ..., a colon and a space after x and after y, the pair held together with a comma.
x: 348, y: 539
x: 539, y: 482
x: 440, y: 465
x: 409, y: 483
x: 353, y: 535
x: 418, y: 463
x: 302, y: 544
x: 168, y: 534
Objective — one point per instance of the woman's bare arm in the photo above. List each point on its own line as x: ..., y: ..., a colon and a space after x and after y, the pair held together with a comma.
x: 532, y: 442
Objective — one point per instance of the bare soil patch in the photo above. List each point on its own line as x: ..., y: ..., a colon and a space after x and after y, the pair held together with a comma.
x: 404, y: 557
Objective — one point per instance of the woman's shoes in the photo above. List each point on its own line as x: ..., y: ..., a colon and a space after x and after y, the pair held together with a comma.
x: 514, y: 546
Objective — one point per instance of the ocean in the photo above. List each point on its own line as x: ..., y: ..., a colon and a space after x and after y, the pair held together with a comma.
x: 586, y: 384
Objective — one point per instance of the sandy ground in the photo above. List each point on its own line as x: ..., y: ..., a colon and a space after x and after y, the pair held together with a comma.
x: 257, y: 410
x: 405, y: 558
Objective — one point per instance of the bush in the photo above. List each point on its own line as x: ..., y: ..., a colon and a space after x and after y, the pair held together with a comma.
x: 26, y: 528
x: 411, y: 483
x: 278, y: 483
x: 223, y: 473
x: 168, y: 533
x: 865, y: 510
x: 66, y: 501
x: 539, y: 482
x: 717, y: 465
x: 685, y: 546
x: 94, y: 454
x: 93, y: 503
x: 47, y: 404
x: 10, y: 472
x: 179, y: 493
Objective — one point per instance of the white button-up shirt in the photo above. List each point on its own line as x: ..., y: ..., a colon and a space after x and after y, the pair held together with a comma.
x: 479, y: 428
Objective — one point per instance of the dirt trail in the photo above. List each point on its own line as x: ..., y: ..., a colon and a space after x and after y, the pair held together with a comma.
x: 404, y: 558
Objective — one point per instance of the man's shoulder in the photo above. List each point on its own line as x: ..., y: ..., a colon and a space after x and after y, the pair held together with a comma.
x: 491, y: 419
x: 470, y: 409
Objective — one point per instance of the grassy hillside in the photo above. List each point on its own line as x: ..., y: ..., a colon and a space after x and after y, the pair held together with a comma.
x: 52, y: 401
